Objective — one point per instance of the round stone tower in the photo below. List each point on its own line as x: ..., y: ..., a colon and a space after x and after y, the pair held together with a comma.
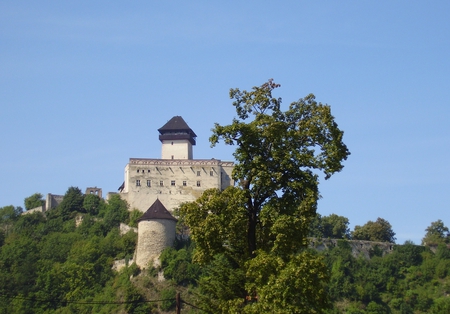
x: 156, y: 231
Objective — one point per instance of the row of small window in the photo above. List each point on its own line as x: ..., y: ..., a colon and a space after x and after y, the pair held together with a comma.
x: 161, y: 183
x: 211, y: 173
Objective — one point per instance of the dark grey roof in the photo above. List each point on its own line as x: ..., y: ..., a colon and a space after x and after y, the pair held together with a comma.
x: 157, y: 211
x: 177, y: 123
x: 177, y: 129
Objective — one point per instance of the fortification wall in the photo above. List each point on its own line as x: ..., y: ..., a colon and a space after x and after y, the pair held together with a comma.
x: 39, y: 209
x: 358, y: 247
x: 52, y: 201
x: 153, y: 237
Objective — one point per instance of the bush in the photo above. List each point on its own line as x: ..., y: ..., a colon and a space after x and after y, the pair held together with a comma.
x: 168, y: 295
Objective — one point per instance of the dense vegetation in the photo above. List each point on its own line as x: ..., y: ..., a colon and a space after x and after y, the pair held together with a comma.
x: 47, y: 262
x: 410, y: 279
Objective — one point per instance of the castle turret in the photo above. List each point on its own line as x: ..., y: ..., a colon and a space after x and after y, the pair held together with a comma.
x: 177, y: 139
x: 156, y: 231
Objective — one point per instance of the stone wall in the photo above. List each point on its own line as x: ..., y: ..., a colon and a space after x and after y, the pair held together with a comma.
x: 359, y: 247
x: 52, y: 201
x: 123, y: 228
x: 39, y: 209
x: 172, y: 181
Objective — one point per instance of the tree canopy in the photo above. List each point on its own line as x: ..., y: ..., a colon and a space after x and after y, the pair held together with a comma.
x: 332, y: 226
x: 437, y: 233
x: 34, y: 201
x: 379, y: 230
x: 261, y: 225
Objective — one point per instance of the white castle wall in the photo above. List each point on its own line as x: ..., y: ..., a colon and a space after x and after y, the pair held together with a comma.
x: 153, y: 237
x: 172, y: 181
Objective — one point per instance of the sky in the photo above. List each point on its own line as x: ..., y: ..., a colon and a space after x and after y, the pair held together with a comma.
x: 84, y: 86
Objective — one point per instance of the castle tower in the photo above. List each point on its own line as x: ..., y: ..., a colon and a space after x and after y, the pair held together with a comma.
x: 156, y: 231
x: 177, y: 139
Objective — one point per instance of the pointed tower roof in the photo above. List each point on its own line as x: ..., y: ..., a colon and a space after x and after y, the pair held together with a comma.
x: 157, y: 211
x: 177, y: 129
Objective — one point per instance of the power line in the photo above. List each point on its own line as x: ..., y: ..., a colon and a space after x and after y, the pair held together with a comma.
x: 83, y: 302
x: 33, y: 299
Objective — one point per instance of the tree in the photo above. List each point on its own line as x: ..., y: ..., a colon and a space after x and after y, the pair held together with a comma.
x: 33, y: 201
x: 437, y: 233
x: 71, y: 203
x: 335, y: 227
x: 380, y: 231
x: 92, y: 203
x: 278, y: 157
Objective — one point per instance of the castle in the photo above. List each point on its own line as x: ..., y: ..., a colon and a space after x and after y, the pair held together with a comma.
x: 176, y: 177
x: 157, y: 186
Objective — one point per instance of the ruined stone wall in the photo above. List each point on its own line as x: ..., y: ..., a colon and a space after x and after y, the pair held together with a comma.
x: 153, y: 237
x: 39, y: 209
x: 359, y: 247
x: 52, y: 201
x: 172, y: 181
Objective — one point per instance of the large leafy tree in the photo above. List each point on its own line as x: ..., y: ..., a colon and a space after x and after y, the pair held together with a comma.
x: 336, y: 227
x: 34, y: 201
x: 379, y: 230
x: 260, y: 226
x: 332, y: 226
x: 437, y: 233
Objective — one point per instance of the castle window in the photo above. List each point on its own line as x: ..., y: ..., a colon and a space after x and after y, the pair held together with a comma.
x: 211, y: 173
x: 172, y: 183
x: 198, y: 173
x: 143, y: 171
x: 149, y: 183
x: 138, y: 171
x: 198, y: 183
x: 138, y: 182
x: 148, y: 170
x: 184, y: 183
x: 161, y: 183
x: 172, y: 156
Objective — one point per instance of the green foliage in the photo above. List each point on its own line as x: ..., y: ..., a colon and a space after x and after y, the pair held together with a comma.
x: 178, y: 266
x: 263, y: 223
x: 116, y: 211
x: 71, y: 203
x: 380, y: 231
x: 135, y: 214
x: 332, y: 226
x: 168, y: 295
x: 298, y: 286
x: 49, y: 258
x: 335, y: 227
x: 436, y: 233
x: 9, y: 214
x: 34, y: 201
x: 93, y: 204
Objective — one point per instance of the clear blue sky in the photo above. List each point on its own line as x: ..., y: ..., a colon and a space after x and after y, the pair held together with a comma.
x: 84, y: 86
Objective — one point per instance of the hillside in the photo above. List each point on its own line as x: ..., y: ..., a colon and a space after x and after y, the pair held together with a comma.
x: 52, y: 264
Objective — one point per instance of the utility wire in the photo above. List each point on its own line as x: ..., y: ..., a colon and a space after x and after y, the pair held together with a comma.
x: 196, y: 307
x: 83, y: 302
